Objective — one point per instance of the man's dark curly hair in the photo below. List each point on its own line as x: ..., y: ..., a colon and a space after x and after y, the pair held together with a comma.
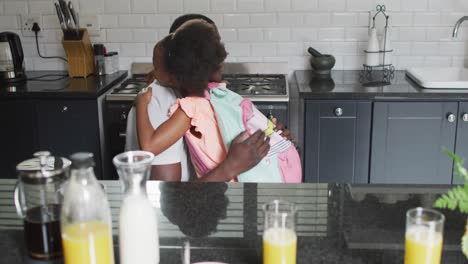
x: 192, y: 54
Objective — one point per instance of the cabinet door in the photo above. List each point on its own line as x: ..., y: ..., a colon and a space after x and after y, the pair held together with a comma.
x: 337, y: 138
x: 461, y: 146
x: 408, y: 139
x: 66, y: 127
x: 17, y: 136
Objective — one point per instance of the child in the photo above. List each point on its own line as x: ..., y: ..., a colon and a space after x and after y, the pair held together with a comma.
x: 193, y: 55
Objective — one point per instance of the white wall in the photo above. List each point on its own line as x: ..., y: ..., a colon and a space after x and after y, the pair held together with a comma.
x: 260, y: 30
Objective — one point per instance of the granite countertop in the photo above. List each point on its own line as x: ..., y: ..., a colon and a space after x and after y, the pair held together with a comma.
x: 336, y: 223
x: 91, y: 87
x: 348, y: 85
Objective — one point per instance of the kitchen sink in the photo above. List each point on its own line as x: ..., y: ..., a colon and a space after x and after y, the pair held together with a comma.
x: 439, y: 78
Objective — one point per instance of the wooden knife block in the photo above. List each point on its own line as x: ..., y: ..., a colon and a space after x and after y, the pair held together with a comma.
x: 80, y: 55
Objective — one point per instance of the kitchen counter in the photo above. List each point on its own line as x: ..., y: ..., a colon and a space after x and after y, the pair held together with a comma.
x: 347, y: 85
x: 60, y: 87
x: 223, y: 222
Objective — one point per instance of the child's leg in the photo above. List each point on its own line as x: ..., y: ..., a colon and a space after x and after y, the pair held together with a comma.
x: 289, y: 164
x: 167, y: 172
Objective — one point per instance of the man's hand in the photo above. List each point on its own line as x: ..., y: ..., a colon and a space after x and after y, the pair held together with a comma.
x: 246, y: 154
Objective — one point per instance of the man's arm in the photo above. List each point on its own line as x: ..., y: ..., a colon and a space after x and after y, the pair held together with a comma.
x: 242, y: 156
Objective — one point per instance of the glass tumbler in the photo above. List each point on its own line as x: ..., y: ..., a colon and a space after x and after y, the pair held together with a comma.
x: 424, y: 236
x: 279, y: 233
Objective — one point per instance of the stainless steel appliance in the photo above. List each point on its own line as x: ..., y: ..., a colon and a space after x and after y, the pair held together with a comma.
x: 269, y: 92
x: 11, y: 58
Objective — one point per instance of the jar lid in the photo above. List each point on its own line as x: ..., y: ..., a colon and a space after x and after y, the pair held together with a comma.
x: 42, y: 166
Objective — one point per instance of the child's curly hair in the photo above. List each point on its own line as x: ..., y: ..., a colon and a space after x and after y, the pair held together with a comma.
x: 192, y: 54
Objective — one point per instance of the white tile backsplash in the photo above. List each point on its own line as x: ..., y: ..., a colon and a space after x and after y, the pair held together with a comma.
x: 145, y: 35
x: 262, y: 20
x: 117, y: 6
x: 332, y: 5
x: 260, y: 30
x: 304, y: 5
x: 41, y: 7
x: 290, y: 49
x: 291, y: 19
x: 345, y: 19
x: 198, y: 6
x: 250, y: 34
x: 15, y: 7
x: 144, y: 6
x: 426, y: 19
x: 304, y: 34
x: 170, y: 6
x: 119, y: 35
x: 277, y: 34
x: 263, y: 49
x: 336, y: 34
x: 317, y: 19
x: 91, y: 7
x: 236, y: 20
x: 130, y: 21
x: 157, y: 21
x: 277, y: 5
x: 248, y: 6
x: 359, y: 5
x: 219, y: 6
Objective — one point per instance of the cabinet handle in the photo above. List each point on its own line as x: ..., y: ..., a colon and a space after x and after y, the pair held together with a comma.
x: 122, y: 135
x: 465, y: 117
x: 451, y: 117
x: 339, y: 111
x: 64, y: 109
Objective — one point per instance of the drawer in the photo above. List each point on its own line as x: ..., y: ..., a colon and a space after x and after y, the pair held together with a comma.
x: 338, y: 109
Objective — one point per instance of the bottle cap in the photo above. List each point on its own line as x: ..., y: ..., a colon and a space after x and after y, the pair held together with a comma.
x: 82, y: 160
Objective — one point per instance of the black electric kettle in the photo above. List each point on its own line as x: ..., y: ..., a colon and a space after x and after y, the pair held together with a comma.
x: 11, y: 58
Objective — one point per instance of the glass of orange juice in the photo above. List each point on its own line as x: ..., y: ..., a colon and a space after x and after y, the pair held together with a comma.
x: 424, y: 236
x: 279, y: 233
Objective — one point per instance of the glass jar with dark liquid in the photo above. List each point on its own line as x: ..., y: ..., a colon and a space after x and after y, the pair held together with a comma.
x: 38, y: 196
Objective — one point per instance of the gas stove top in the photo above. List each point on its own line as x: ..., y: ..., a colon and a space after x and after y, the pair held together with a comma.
x: 259, y: 87
x: 256, y: 87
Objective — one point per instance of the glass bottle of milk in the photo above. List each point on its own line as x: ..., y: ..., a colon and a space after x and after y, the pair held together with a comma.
x: 138, y: 226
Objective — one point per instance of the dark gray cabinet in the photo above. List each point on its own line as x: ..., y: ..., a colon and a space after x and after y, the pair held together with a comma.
x: 69, y: 126
x: 336, y: 141
x: 59, y: 126
x: 461, y: 146
x: 17, y: 138
x: 407, y: 142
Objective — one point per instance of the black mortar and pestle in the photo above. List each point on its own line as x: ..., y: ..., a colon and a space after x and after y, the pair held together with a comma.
x: 321, y: 63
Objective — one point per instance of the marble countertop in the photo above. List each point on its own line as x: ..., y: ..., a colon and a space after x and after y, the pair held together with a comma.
x: 223, y: 222
x: 346, y: 85
x: 60, y: 87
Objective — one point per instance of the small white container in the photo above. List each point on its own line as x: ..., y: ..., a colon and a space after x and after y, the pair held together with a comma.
x: 108, y: 63
x: 373, y: 48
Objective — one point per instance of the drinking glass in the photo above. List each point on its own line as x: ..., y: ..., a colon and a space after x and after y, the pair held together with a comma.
x: 279, y: 233
x: 424, y: 236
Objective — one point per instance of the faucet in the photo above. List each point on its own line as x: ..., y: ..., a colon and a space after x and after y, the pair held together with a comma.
x: 457, y: 26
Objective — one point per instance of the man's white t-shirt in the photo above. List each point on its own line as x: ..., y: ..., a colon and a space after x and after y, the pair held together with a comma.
x: 158, y: 110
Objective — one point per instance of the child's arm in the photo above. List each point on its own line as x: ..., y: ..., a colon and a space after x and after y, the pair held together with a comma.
x: 157, y: 141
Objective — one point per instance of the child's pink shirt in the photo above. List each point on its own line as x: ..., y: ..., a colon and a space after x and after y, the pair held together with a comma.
x: 208, y: 151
